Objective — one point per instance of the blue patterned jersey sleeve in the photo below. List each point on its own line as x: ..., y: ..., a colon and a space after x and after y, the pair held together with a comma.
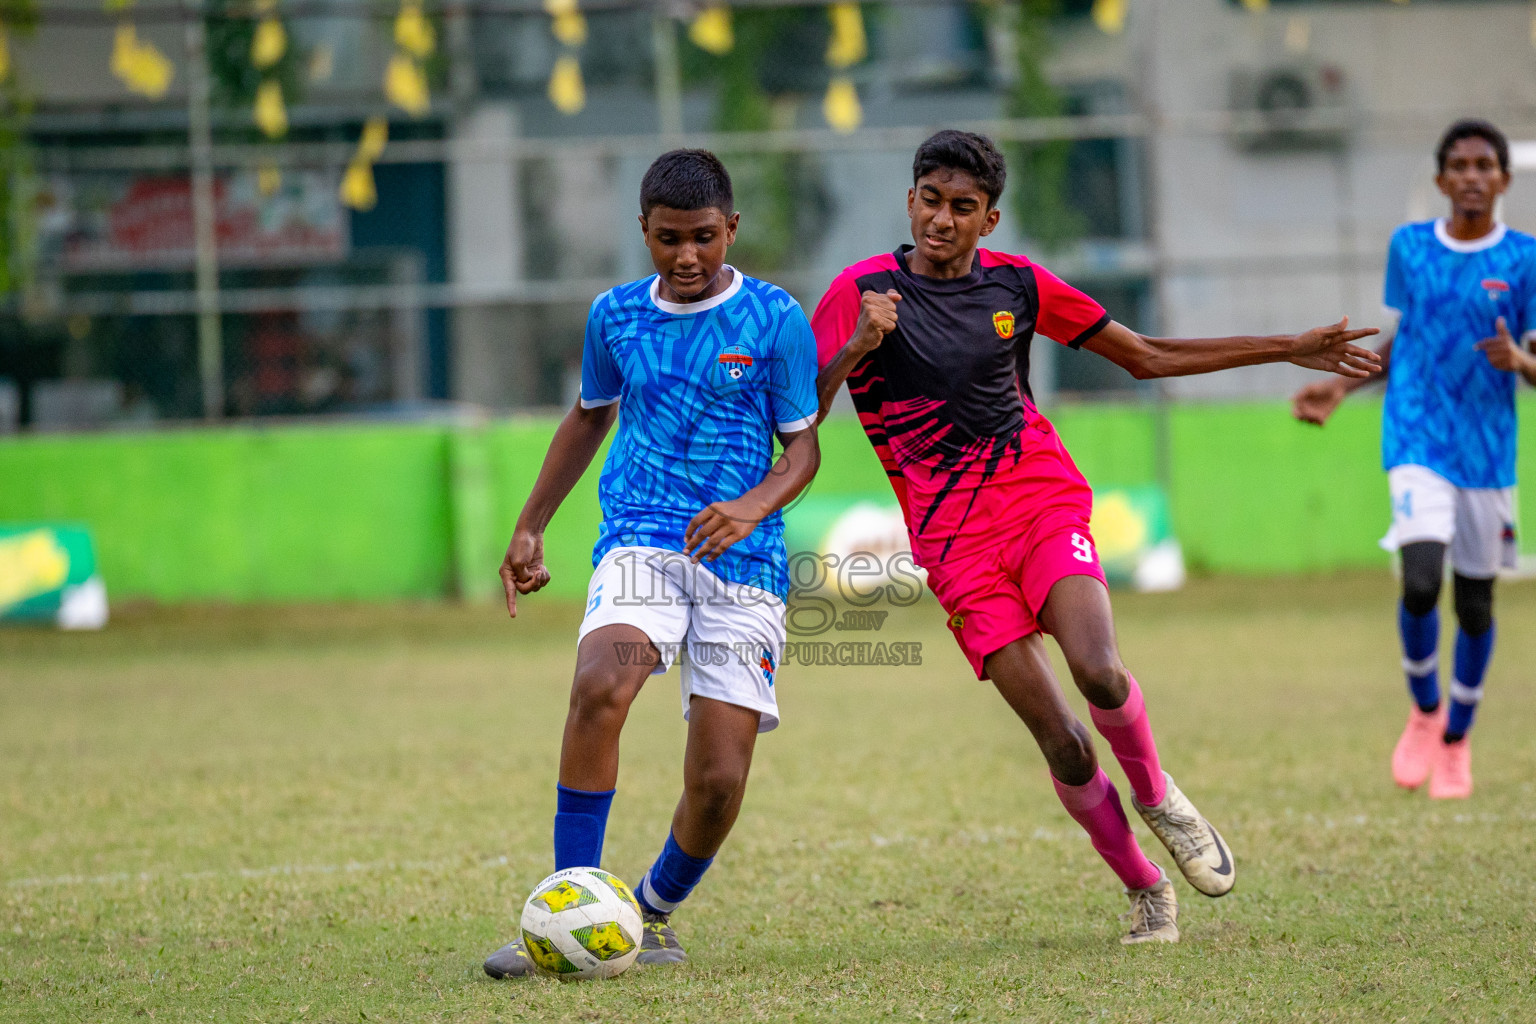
x: 1525, y: 330
x: 793, y: 377
x: 601, y: 382
x: 1395, y: 293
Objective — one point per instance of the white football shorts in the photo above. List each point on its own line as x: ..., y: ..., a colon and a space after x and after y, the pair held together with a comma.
x: 729, y: 637
x: 1477, y: 522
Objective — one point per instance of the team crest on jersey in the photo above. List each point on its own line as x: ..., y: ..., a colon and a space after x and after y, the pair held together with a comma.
x: 1494, y: 287
x: 733, y: 363
x: 1002, y: 322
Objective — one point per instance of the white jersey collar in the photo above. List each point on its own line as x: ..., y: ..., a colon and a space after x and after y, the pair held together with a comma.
x: 686, y: 308
x: 1488, y: 241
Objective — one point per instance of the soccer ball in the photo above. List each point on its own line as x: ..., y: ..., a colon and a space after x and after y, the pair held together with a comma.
x: 582, y: 923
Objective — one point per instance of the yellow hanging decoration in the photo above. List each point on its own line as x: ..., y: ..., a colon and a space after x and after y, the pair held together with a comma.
x: 375, y: 134
x: 848, y: 45
x: 406, y: 86
x: 711, y: 31
x: 268, y: 44
x: 570, y: 28
x: 566, y: 90
x: 141, y: 67
x: 1256, y: 6
x: 567, y: 23
x: 268, y: 180
x: 5, y: 55
x: 841, y: 107
x: 1109, y: 16
x: 357, y: 188
x: 270, y: 114
x: 413, y: 32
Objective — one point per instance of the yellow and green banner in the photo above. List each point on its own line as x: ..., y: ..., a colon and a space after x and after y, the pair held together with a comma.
x: 48, y: 574
x: 1134, y: 535
x: 1131, y: 527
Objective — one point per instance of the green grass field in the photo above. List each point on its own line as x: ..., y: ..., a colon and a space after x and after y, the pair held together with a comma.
x: 335, y: 813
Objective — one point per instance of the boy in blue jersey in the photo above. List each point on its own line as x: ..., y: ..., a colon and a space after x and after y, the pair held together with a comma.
x: 703, y: 367
x: 1461, y: 289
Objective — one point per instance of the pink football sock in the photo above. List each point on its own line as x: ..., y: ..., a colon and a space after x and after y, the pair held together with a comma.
x: 1096, y: 806
x: 1130, y: 737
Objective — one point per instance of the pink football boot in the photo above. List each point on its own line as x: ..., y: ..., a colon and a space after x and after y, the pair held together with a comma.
x: 1419, y: 747
x: 1452, y: 777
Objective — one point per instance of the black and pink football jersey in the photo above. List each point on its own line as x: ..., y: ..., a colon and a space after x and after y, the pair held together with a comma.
x: 945, y: 398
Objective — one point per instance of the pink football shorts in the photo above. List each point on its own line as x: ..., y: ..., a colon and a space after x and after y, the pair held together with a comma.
x: 994, y: 595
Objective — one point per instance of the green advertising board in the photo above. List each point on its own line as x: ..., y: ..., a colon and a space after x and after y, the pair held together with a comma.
x: 48, y: 575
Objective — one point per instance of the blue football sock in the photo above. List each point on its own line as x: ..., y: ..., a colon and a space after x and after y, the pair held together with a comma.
x: 1472, y: 656
x: 671, y: 878
x: 580, y: 820
x: 1421, y: 637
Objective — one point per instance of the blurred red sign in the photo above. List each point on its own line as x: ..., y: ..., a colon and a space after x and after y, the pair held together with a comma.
x: 133, y: 222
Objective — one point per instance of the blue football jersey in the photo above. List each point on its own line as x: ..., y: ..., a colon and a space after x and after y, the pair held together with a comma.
x: 702, y: 387
x: 1447, y: 408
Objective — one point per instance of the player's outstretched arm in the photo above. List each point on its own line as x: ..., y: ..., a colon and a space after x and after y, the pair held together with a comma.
x: 877, y: 318
x: 576, y: 441
x: 722, y: 523
x: 1322, y: 348
x: 1505, y: 353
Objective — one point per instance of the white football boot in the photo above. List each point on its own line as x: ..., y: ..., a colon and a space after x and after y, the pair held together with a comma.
x: 1154, y: 914
x: 1196, y: 846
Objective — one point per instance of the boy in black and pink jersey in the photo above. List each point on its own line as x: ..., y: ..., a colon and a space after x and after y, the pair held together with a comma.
x: 933, y: 341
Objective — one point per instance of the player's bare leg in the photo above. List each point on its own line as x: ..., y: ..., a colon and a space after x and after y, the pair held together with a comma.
x: 1077, y: 613
x: 606, y: 684
x: 721, y: 738
x: 1022, y: 673
x: 1023, y: 676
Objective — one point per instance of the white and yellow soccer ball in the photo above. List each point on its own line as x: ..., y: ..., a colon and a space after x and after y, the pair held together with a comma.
x: 582, y: 923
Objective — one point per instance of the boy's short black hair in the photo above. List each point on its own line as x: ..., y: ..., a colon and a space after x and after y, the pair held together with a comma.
x: 963, y: 151
x: 687, y: 179
x: 1472, y: 128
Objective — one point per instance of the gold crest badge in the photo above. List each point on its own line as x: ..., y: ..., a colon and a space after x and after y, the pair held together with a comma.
x: 1003, y: 322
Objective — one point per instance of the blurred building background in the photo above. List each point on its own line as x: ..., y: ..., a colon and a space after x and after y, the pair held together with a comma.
x: 411, y: 204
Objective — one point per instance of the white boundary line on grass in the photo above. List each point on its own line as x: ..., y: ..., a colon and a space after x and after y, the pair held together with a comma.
x: 961, y: 837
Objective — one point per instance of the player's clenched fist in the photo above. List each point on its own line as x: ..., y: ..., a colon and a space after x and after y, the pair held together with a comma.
x: 522, y: 570
x: 877, y: 318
